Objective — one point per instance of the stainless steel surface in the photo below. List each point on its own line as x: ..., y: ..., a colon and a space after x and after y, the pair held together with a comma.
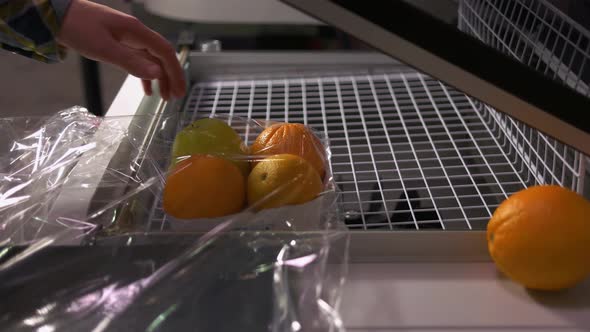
x: 246, y: 65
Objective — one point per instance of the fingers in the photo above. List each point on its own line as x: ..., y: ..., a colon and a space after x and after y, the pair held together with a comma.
x: 164, y: 82
x: 142, y: 65
x: 135, y: 62
x: 147, y: 87
x: 104, y: 34
x: 138, y: 35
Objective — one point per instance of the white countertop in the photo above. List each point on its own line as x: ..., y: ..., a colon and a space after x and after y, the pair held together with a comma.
x: 455, y: 296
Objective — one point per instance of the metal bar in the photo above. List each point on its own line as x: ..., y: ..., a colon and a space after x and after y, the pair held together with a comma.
x: 433, y: 187
x: 250, y: 103
x: 487, y: 163
x: 375, y: 169
x: 324, y: 120
x: 391, y: 92
x: 304, y: 101
x: 339, y: 94
x: 216, y: 100
x: 417, y: 109
x: 196, y: 108
x: 507, y: 159
x: 419, y: 178
x: 268, y: 100
x: 519, y: 145
x: 457, y: 149
x: 397, y: 168
x: 286, y: 100
x: 233, y: 103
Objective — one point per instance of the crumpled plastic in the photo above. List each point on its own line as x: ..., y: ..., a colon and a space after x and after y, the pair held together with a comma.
x: 81, y: 249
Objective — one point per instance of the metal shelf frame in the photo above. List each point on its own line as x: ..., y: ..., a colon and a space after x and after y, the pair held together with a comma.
x: 407, y: 151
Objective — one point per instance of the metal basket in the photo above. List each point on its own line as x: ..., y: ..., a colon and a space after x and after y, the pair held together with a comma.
x: 541, y: 36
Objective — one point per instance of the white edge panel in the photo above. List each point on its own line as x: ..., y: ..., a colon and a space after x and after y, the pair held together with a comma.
x: 455, y: 297
x: 127, y: 99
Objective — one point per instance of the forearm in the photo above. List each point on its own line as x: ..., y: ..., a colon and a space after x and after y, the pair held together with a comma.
x: 30, y: 27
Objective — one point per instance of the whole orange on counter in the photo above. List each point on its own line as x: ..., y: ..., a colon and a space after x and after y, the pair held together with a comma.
x: 282, y: 179
x: 204, y: 186
x: 291, y: 138
x: 540, y: 237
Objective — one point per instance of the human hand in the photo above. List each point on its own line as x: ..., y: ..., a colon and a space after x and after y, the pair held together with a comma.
x: 104, y: 34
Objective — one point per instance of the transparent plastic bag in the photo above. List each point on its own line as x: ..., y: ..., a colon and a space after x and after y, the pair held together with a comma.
x: 82, y: 249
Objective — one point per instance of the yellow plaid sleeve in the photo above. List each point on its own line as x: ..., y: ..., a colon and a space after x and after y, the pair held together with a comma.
x: 30, y: 28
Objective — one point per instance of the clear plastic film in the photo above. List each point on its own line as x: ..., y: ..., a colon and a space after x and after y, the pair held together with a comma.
x: 145, y: 223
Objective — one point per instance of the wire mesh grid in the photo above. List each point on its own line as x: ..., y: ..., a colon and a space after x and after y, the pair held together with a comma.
x: 534, y: 32
x: 408, y: 152
x: 539, y: 35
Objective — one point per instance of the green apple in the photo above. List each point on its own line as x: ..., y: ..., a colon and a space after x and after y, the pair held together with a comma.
x: 214, y: 137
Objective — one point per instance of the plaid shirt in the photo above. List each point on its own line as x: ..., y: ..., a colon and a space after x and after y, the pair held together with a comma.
x: 30, y: 28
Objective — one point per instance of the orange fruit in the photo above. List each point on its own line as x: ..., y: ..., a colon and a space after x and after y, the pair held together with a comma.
x: 204, y: 186
x: 291, y: 138
x: 540, y: 237
x: 282, y: 179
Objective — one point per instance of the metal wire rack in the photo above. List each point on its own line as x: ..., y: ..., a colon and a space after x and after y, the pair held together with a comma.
x: 536, y: 33
x: 408, y: 152
x: 539, y: 35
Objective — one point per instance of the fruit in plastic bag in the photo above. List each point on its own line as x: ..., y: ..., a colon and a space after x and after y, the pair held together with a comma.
x: 210, y: 136
x: 540, y: 237
x: 282, y: 179
x: 204, y: 186
x: 292, y: 138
